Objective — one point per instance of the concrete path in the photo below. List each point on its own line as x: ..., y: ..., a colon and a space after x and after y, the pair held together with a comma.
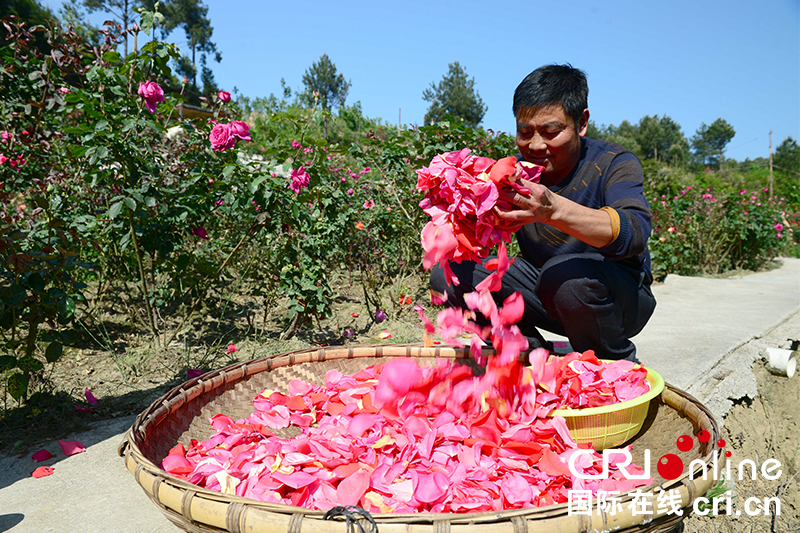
x: 696, y: 340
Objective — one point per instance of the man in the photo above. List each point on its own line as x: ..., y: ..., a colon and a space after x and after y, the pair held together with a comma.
x: 584, y: 271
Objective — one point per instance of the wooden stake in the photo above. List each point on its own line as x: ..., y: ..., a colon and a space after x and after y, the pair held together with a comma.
x: 770, y: 163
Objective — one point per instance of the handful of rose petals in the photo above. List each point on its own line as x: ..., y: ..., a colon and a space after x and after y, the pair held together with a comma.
x: 461, y: 191
x: 397, y: 437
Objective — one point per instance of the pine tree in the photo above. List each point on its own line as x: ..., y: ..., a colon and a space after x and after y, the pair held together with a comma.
x: 454, y: 98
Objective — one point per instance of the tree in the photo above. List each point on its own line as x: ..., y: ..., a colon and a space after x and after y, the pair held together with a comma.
x: 72, y: 15
x: 31, y: 12
x: 329, y: 85
x: 121, y: 9
x: 710, y: 141
x: 625, y: 134
x: 661, y: 138
x: 192, y: 16
x: 455, y: 98
x: 207, y: 77
x: 787, y: 158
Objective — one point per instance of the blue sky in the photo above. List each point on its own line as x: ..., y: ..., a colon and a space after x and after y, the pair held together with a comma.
x: 695, y: 61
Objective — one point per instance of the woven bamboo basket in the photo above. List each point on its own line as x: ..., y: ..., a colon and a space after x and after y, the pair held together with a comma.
x: 184, y: 412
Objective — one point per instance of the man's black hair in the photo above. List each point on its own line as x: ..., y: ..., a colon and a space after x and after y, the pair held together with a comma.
x: 554, y: 85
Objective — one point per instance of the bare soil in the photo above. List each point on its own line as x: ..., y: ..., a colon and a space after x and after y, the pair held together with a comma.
x: 762, y: 428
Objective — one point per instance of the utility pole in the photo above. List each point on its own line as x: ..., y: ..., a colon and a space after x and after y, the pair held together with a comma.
x: 770, y: 163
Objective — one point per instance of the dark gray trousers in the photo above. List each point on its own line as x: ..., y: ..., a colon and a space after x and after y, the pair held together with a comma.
x: 594, y: 302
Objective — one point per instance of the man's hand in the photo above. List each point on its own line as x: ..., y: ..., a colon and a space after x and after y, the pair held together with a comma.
x: 537, y: 206
x: 591, y: 226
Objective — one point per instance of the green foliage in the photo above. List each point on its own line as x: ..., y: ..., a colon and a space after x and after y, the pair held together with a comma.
x: 454, y: 99
x: 700, y: 231
x: 41, y: 274
x: 30, y: 11
x: 192, y: 17
x: 654, y: 138
x: 71, y: 13
x: 710, y: 141
x: 662, y: 139
x: 121, y: 11
x: 324, y: 83
x: 325, y: 86
x: 787, y: 159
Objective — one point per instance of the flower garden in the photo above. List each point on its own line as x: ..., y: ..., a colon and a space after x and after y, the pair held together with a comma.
x: 116, y: 204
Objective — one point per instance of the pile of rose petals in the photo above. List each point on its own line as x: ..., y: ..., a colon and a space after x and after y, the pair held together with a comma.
x: 461, y: 191
x: 397, y: 437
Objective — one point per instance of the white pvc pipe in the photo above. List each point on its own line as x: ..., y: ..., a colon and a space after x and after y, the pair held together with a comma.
x: 781, y: 362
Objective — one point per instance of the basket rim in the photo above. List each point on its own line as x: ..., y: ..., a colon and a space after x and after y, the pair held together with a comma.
x: 137, y: 463
x: 656, y: 386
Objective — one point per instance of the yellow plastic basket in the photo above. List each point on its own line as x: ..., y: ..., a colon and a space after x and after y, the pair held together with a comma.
x: 611, y: 425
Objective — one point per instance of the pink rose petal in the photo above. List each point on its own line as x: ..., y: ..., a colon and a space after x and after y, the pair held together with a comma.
x: 42, y: 471
x: 295, y: 480
x: 352, y: 488
x: 430, y: 487
x: 90, y: 397
x: 42, y: 455
x: 71, y: 447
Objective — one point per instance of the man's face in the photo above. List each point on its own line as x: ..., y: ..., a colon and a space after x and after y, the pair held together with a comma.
x: 547, y: 137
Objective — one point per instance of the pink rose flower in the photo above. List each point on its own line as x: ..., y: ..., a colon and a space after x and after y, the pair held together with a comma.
x: 200, y: 232
x: 300, y: 179
x: 5, y: 136
x: 3, y: 159
x: 296, y: 145
x: 240, y: 129
x: 224, y: 96
x: 152, y: 94
x: 221, y: 137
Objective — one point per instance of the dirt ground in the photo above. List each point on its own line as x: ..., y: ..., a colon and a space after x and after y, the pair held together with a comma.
x: 762, y: 428
x: 117, y: 363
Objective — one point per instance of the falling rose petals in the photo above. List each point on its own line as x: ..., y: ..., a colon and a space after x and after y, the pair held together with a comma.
x: 439, y: 243
x: 71, y: 447
x: 42, y: 471
x: 512, y: 310
x: 42, y: 455
x: 427, y: 324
